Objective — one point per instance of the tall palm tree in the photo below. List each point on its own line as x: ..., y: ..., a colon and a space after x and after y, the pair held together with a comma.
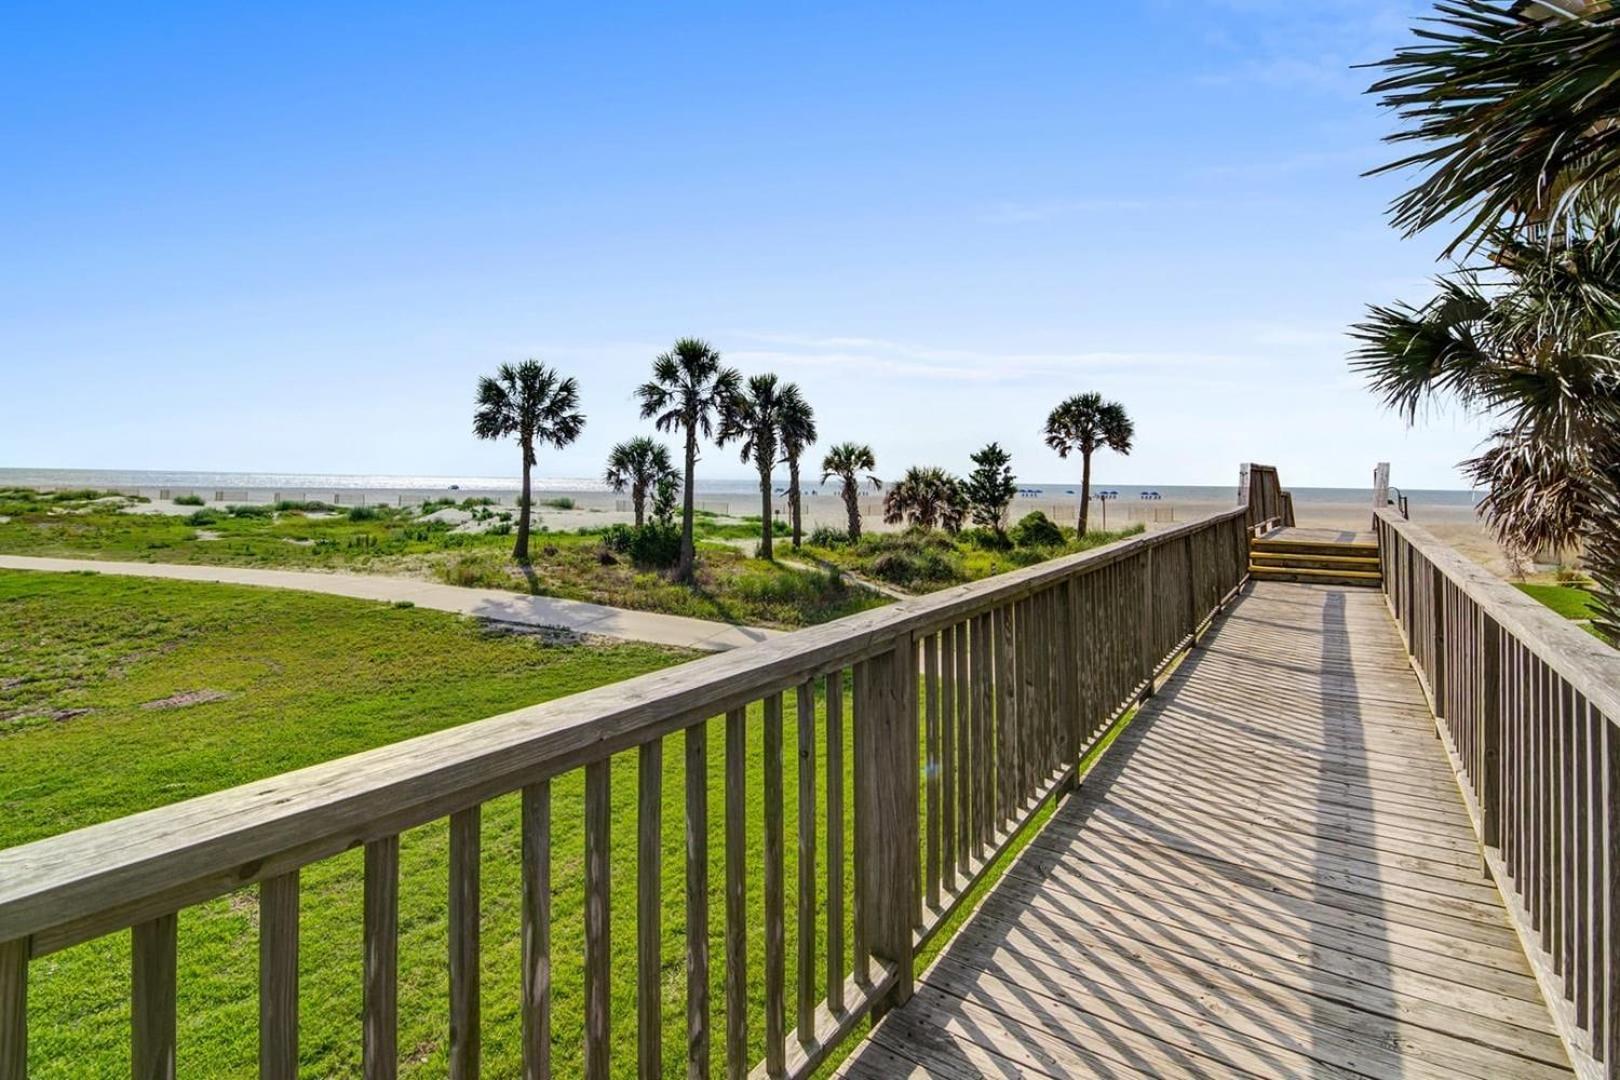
x: 1516, y: 111
x: 798, y: 426
x: 925, y: 497
x: 1084, y: 424
x: 534, y: 403
x: 1530, y: 342
x: 639, y: 464
x: 849, y: 462
x: 754, y: 417
x: 688, y: 392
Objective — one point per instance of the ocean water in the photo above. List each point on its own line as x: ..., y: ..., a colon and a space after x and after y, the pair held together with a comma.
x: 246, y: 485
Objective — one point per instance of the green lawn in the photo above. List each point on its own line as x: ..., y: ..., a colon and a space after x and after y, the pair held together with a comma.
x: 1567, y: 600
x: 303, y: 678
x: 731, y: 587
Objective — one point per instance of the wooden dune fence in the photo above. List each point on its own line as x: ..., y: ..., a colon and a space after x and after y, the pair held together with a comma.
x: 970, y: 706
x: 1528, y: 705
x: 1261, y: 491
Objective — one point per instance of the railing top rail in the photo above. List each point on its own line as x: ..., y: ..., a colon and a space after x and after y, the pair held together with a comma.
x: 172, y: 856
x: 1589, y: 666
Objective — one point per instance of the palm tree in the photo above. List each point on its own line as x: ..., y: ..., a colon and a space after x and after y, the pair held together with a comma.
x: 639, y: 464
x: 531, y: 401
x: 1517, y: 111
x: 798, y: 427
x: 689, y: 391
x: 1084, y: 424
x: 754, y: 417
x: 924, y: 497
x: 1530, y: 342
x: 849, y: 462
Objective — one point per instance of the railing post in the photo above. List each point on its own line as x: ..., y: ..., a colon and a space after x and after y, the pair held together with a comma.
x: 14, y: 1009
x: 1490, y: 732
x: 1147, y: 622
x: 1437, y: 612
x: 886, y: 810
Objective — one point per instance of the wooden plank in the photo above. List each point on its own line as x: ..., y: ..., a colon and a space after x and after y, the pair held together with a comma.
x: 885, y: 801
x: 278, y: 977
x: 736, y: 893
x: 649, y: 905
x: 152, y: 1000
x: 947, y: 756
x: 932, y: 770
x: 835, y: 841
x: 775, y: 913
x: 14, y: 1009
x: 698, y: 1024
x: 536, y: 930
x: 465, y: 917
x: 598, y: 919
x: 379, y: 1024
x: 805, y: 699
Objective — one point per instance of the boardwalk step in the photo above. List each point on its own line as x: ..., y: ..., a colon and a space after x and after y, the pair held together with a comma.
x: 1321, y: 562
x: 1336, y: 548
x: 1364, y: 578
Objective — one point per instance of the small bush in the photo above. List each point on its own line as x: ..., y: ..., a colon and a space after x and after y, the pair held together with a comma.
x: 188, y: 500
x: 984, y: 539
x: 404, y: 603
x: 502, y: 528
x: 364, y: 513
x: 905, y: 568
x: 430, y: 505
x: 249, y: 511
x: 656, y: 545
x: 828, y: 537
x: 476, y: 501
x: 561, y: 502
x: 1035, y: 529
x: 203, y: 517
x: 303, y: 506
x: 618, y: 538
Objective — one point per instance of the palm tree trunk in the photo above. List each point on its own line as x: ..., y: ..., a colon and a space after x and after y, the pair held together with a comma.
x: 520, y: 550
x: 683, y: 569
x: 638, y: 492
x: 1085, y: 490
x: 793, y: 499
x: 852, y: 504
x: 767, y: 522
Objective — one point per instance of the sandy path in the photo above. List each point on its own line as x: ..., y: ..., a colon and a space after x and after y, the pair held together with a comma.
x: 494, y: 604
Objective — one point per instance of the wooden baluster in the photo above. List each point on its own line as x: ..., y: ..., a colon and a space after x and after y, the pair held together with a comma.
x: 536, y: 811
x: 931, y: 767
x: 805, y: 699
x: 152, y: 1006
x: 1006, y: 709
x: 1070, y: 716
x: 278, y: 977
x: 885, y: 802
x: 598, y: 918
x: 697, y: 902
x: 649, y: 905
x: 464, y: 925
x: 775, y: 935
x: 1581, y: 812
x: 736, y: 893
x: 14, y: 1009
x: 966, y: 762
x: 1144, y: 562
x: 947, y: 756
x: 380, y: 1000
x: 1027, y: 683
x: 1490, y: 732
x: 835, y: 841
x: 984, y: 779
x: 1606, y: 823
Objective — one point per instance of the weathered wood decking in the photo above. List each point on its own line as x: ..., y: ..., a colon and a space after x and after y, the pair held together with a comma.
x: 1272, y: 873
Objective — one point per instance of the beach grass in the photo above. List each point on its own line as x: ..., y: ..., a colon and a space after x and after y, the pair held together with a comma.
x: 730, y: 587
x: 923, y: 561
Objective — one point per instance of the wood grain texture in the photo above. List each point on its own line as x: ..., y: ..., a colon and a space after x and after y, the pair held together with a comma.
x: 14, y: 1009
x: 598, y: 920
x: 379, y: 1024
x: 698, y: 1024
x: 737, y: 893
x: 1239, y: 892
x: 278, y: 977
x: 805, y: 698
x: 536, y: 930
x: 775, y: 904
x: 835, y: 841
x: 649, y: 905
x: 152, y: 999
x: 466, y: 1051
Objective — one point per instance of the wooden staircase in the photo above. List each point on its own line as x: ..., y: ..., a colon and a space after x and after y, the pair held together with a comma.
x: 1325, y: 562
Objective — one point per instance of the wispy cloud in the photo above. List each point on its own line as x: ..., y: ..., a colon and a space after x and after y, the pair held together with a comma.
x: 878, y: 356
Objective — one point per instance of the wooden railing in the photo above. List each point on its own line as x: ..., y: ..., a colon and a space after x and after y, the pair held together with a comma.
x: 961, y: 711
x: 1261, y: 491
x: 1528, y: 706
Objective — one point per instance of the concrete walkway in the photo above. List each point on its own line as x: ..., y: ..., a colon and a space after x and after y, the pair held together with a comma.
x: 496, y: 604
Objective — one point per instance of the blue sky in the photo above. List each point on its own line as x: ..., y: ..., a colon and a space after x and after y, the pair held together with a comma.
x: 291, y: 237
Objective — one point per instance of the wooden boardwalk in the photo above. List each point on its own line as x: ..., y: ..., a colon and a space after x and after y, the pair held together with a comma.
x: 1271, y: 874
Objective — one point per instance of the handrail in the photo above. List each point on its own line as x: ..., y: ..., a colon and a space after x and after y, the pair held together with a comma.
x: 1528, y: 706
x: 1018, y: 674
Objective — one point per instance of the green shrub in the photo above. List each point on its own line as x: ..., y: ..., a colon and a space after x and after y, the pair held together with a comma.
x: 188, y: 500
x: 925, y: 565
x: 303, y: 506
x: 618, y: 538
x: 249, y: 511
x: 655, y: 545
x: 364, y: 513
x: 502, y: 528
x: 984, y: 539
x: 477, y: 500
x: 561, y: 502
x: 1035, y: 529
x: 828, y: 537
x: 203, y: 517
